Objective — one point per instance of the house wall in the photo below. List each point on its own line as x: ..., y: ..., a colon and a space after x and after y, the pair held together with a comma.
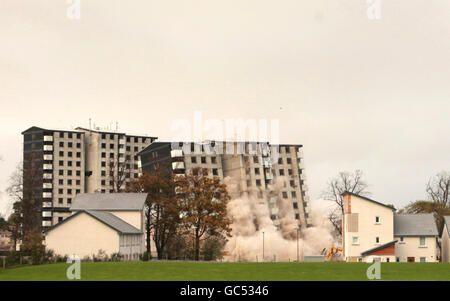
x: 366, y: 228
x: 410, y: 247
x: 131, y: 246
x: 83, y: 236
x: 445, y: 245
x: 134, y: 218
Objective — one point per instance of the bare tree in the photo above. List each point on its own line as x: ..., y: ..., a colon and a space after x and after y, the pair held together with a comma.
x: 344, y: 181
x: 119, y: 171
x: 25, y: 189
x: 438, y: 188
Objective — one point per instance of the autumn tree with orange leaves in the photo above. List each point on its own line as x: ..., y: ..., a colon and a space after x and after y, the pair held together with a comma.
x: 203, y: 206
x: 162, y: 213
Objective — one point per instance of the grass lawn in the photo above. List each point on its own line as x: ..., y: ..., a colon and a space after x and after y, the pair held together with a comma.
x: 193, y: 271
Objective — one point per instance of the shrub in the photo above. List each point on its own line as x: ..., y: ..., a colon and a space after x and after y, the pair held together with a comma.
x: 116, y: 257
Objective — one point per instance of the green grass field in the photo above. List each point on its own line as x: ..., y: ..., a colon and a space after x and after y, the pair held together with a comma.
x: 193, y: 271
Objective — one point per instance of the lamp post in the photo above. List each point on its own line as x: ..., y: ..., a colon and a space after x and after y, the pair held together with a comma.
x: 298, y: 256
x: 263, y: 248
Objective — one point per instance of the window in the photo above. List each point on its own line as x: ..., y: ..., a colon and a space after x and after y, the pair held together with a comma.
x: 289, y: 160
x: 79, y: 173
x: 70, y: 135
x: 78, y: 182
x: 136, y: 140
x: 215, y: 172
x: 111, y: 155
x: 255, y: 159
x: 294, y: 194
x: 111, y: 146
x: 377, y: 219
x: 69, y: 182
x: 256, y: 171
x: 292, y: 183
x: 61, y: 135
x: 103, y: 136
x: 78, y: 136
x: 397, y: 259
x: 193, y: 159
x: 60, y: 191
x: 258, y: 182
x: 136, y: 149
x: 355, y: 240
x: 78, y: 154
x: 69, y: 191
x: 60, y: 200
x: 61, y: 182
x: 70, y: 144
x: 295, y: 204
x: 69, y: 163
x: 423, y: 259
x: 103, y: 183
x: 103, y: 145
x: 61, y: 163
x: 290, y: 172
x: 203, y: 160
x: 422, y: 241
x: 377, y: 240
x: 69, y: 172
x: 280, y: 160
x: 281, y: 172
x: 61, y: 154
x: 297, y: 216
x: 285, y: 195
x: 103, y: 155
x: 288, y: 150
x: 69, y: 154
x: 401, y: 238
x: 61, y: 172
x: 78, y: 164
x: 103, y: 164
x: 60, y: 219
x: 387, y: 259
x: 111, y: 136
x: 61, y: 144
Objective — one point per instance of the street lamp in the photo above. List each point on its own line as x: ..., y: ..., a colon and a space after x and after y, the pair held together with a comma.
x: 263, y: 247
x: 298, y: 256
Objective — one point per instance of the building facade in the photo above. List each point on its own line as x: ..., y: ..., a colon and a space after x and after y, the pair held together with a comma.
x: 59, y: 164
x: 260, y: 171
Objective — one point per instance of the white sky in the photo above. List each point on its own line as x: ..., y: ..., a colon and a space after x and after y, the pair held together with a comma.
x: 357, y: 93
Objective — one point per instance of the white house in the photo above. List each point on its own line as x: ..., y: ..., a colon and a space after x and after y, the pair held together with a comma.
x: 367, y: 229
x: 416, y: 236
x: 445, y: 240
x: 372, y: 231
x: 112, y: 222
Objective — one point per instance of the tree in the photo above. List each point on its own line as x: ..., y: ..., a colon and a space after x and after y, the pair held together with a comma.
x: 438, y: 188
x: 439, y: 210
x: 3, y: 223
x: 118, y: 173
x: 25, y: 188
x: 162, y: 210
x: 203, y: 201
x: 14, y: 223
x: 344, y: 181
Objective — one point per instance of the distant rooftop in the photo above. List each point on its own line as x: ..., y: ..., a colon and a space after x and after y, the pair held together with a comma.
x: 415, y: 225
x: 109, y: 201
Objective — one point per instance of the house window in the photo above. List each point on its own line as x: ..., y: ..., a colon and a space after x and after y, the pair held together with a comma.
x: 422, y: 241
x: 281, y: 172
x: 193, y: 159
x: 377, y: 219
x: 258, y: 182
x: 285, y: 196
x: 423, y: 259
x: 213, y: 160
x: 256, y: 171
x: 297, y: 216
x: 295, y: 205
x: 401, y: 238
x: 355, y: 240
x: 377, y: 240
x: 60, y: 219
x: 203, y: 160
x: 387, y: 259
x: 215, y: 172
x: 255, y: 159
x: 397, y: 259
x: 280, y: 160
x: 289, y: 161
x: 294, y: 194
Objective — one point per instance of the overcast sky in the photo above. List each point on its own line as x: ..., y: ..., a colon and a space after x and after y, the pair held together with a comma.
x: 357, y: 93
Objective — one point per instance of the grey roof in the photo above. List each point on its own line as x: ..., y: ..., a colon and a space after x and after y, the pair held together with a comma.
x: 109, y: 201
x: 106, y: 218
x: 378, y: 248
x: 447, y: 223
x: 415, y: 225
x: 114, y: 222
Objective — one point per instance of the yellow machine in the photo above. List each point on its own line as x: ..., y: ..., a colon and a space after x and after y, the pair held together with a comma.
x: 333, y: 251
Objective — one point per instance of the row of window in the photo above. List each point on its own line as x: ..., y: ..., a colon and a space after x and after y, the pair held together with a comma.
x: 69, y: 172
x: 422, y: 241
x: 127, y: 174
x: 69, y: 191
x: 69, y: 182
x: 135, y: 139
x: 70, y: 163
x: 69, y: 154
x: 69, y: 144
x: 205, y: 171
x: 61, y: 201
x: 204, y: 159
x: 69, y: 135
